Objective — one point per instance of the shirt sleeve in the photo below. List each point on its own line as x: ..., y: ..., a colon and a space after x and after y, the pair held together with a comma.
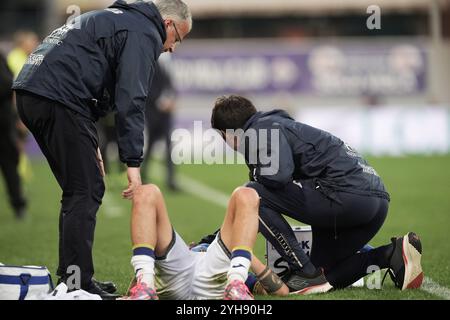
x: 134, y: 67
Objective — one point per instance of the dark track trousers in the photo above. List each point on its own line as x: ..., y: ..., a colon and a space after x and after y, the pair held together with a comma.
x: 340, y: 228
x: 159, y: 126
x: 69, y: 142
x: 9, y: 162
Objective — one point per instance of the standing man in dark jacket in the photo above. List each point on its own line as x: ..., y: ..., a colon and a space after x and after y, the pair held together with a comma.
x: 9, y: 151
x: 82, y: 71
x: 314, y: 177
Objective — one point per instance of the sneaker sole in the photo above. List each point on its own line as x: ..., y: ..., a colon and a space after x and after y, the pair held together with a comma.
x: 240, y: 299
x: 320, y: 288
x: 412, y: 254
x: 138, y: 299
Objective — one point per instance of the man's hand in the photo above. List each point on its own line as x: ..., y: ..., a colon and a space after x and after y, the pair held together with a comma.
x: 166, y: 104
x: 100, y: 162
x: 134, y: 181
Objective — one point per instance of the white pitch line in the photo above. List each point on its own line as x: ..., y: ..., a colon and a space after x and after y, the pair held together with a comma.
x: 436, y: 289
x: 112, y: 209
x: 217, y: 197
x: 203, y: 191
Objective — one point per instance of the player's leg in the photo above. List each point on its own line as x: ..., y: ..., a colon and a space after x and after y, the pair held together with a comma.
x: 303, y: 277
x: 150, y: 223
x: 151, y: 234
x: 238, y: 233
x: 240, y: 225
x: 267, y: 282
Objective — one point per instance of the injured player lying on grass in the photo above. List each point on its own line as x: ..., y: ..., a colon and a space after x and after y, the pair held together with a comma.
x: 165, y: 267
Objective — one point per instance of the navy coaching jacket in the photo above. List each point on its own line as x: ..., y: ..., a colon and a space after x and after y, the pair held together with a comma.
x: 103, y: 62
x: 308, y: 153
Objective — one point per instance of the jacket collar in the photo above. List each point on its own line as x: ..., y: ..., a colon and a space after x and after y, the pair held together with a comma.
x: 258, y: 115
x: 149, y: 10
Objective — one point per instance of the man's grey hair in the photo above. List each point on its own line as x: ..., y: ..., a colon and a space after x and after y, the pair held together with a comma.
x: 174, y: 9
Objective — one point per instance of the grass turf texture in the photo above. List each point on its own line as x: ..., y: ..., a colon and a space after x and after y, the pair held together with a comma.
x: 419, y: 187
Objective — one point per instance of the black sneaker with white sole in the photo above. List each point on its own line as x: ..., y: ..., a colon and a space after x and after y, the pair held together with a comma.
x: 300, y: 283
x: 107, y: 286
x: 94, y: 288
x: 405, y: 266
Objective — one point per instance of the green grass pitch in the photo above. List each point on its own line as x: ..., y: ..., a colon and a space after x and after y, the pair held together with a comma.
x: 419, y: 187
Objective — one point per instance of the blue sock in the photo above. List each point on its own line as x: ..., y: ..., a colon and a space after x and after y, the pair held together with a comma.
x: 240, y: 264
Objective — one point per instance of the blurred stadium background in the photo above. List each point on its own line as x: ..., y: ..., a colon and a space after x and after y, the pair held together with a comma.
x: 384, y: 91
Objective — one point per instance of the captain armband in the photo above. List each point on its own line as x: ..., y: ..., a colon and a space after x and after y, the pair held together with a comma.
x: 269, y: 280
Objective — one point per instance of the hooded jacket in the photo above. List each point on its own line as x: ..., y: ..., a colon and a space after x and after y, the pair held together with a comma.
x: 303, y: 152
x: 102, y: 62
